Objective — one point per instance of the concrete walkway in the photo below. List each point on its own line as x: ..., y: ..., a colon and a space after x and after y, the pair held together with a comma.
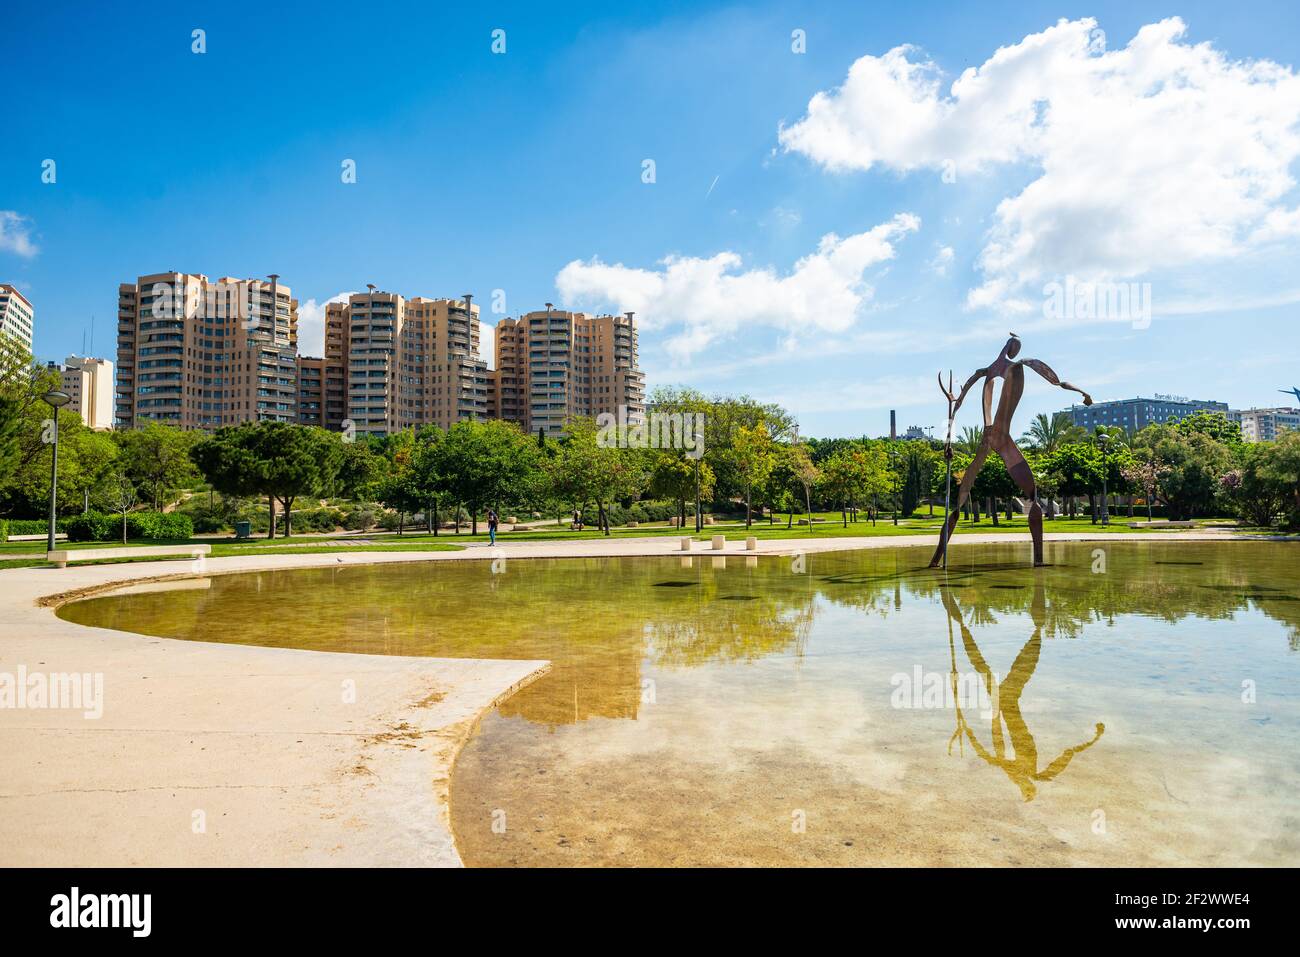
x: 217, y: 755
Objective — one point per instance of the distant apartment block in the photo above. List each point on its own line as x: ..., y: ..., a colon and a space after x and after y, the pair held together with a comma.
x: 199, y: 353
x: 393, y: 363
x: 551, y: 365
x: 89, y: 382
x: 16, y: 316
x: 1136, y: 414
x: 1264, y: 425
x: 311, y: 398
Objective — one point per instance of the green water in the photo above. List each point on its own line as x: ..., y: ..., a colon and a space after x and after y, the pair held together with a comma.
x: 1132, y: 703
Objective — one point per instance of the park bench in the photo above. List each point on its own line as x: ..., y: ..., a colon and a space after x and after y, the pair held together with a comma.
x: 1162, y: 523
x: 60, y: 557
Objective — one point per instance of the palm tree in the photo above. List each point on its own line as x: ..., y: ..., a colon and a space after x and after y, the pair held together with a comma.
x: 970, y: 440
x: 1046, y: 434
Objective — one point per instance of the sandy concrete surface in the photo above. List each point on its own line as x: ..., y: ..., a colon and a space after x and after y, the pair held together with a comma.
x: 209, y: 754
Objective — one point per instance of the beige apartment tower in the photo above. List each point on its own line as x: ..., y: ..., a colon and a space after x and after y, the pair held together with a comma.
x: 311, y: 385
x: 199, y: 353
x: 393, y: 363
x: 16, y: 316
x: 552, y: 365
x: 89, y: 383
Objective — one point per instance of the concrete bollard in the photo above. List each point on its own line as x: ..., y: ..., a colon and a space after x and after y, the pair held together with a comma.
x: 686, y: 543
x: 719, y: 542
x: 751, y: 544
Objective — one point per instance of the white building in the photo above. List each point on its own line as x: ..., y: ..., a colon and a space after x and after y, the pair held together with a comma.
x: 1263, y: 425
x: 90, y: 384
x: 16, y: 316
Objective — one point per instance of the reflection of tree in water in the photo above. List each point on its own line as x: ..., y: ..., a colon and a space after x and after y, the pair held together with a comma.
x: 598, y: 620
x: 1212, y: 582
x: 1004, y: 698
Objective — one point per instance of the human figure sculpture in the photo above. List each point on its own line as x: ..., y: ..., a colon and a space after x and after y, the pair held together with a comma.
x: 997, y: 436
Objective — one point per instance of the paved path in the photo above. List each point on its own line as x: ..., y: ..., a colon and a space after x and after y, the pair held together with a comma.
x: 214, y: 754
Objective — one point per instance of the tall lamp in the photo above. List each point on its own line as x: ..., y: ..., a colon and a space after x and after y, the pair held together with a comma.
x: 55, y: 399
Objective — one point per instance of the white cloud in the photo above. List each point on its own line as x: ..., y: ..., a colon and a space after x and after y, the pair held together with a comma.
x: 713, y: 299
x: 1156, y: 156
x: 311, y: 324
x: 16, y: 234
x: 942, y: 260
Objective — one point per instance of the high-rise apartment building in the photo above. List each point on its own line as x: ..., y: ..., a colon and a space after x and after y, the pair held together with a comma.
x: 311, y: 383
x: 16, y: 316
x: 393, y: 363
x: 89, y: 383
x: 199, y: 353
x: 552, y: 364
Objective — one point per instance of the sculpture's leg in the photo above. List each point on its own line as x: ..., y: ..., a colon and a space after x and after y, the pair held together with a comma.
x: 1036, y: 529
x: 963, y: 493
x: 1023, y: 476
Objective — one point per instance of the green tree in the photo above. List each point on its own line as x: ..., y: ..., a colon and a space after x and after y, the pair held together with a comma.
x: 1281, y: 465
x: 157, y: 457
x: 753, y: 455
x: 1216, y: 425
x: 280, y: 460
x: 1074, y: 469
x: 485, y: 463
x: 672, y: 476
x: 918, y: 465
x: 360, y: 470
x: 1195, y: 462
x: 1047, y: 433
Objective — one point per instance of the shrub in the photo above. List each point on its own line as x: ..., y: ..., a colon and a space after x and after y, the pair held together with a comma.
x: 208, y: 523
x: 98, y: 527
x: 4, y: 530
x: 313, y: 520
x: 359, y: 520
x: 91, y: 527
x: 35, y: 526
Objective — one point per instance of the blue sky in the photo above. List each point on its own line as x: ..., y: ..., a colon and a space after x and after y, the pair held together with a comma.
x: 523, y: 172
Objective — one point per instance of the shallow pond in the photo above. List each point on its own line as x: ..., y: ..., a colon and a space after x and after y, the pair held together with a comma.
x: 1132, y: 703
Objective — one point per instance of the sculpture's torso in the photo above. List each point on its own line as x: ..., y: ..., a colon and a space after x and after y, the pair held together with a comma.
x: 1014, y: 385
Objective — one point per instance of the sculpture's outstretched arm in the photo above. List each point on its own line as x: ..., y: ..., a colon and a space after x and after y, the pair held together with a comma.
x: 1044, y: 370
x: 975, y: 377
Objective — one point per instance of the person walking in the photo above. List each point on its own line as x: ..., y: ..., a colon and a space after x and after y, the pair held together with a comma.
x: 492, y: 526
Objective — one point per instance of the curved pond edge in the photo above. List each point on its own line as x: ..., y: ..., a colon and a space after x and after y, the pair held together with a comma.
x: 372, y: 785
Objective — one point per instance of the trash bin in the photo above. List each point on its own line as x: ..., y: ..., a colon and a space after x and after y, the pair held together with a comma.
x: 243, y: 529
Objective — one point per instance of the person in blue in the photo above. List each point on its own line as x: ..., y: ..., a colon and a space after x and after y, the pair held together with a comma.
x: 492, y: 526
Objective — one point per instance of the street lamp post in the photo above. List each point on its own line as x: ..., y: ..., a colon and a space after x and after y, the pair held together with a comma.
x: 1104, y: 440
x: 699, y: 514
x: 56, y: 400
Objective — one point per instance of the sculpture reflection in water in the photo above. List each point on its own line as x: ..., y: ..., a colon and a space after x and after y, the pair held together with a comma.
x: 1022, y: 766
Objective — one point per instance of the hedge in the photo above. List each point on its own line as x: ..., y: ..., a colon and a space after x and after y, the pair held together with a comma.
x: 35, y: 526
x: 98, y: 527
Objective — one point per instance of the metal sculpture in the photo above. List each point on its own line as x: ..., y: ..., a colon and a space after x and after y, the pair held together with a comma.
x: 997, y: 437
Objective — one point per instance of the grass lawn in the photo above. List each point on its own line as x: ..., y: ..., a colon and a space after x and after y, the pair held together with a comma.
x: 923, y: 524
x: 298, y: 545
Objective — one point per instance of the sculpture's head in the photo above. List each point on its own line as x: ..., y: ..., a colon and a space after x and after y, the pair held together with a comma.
x: 1012, y: 348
